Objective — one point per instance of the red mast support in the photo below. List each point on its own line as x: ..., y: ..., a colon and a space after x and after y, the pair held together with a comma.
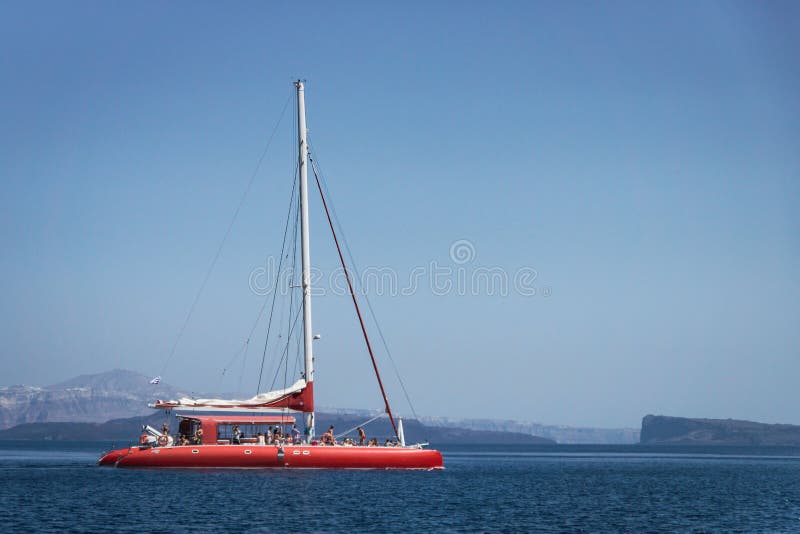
x: 353, y: 295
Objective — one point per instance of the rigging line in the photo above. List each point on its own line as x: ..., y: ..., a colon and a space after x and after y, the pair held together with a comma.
x: 278, y: 322
x: 366, y: 296
x: 291, y: 297
x: 280, y: 264
x: 365, y: 423
x: 296, y: 206
x: 225, y: 236
x: 288, y: 215
x: 285, y: 351
x: 355, y: 301
x: 297, y: 360
x: 244, y: 363
x: 230, y: 364
x: 286, y: 366
x: 299, y: 341
x: 233, y: 359
x: 275, y: 287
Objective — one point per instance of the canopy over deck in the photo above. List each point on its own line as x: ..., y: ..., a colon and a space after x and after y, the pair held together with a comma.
x: 276, y: 419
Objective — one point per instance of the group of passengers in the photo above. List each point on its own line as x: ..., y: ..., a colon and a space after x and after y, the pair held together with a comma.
x: 328, y: 438
x: 273, y: 436
x: 182, y: 439
x: 165, y: 440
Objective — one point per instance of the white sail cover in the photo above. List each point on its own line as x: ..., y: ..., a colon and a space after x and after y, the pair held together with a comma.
x: 259, y: 401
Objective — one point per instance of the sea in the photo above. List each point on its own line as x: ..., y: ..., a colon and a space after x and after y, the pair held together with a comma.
x: 57, y: 486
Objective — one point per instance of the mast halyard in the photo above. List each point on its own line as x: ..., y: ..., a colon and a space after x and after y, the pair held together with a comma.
x: 302, y: 164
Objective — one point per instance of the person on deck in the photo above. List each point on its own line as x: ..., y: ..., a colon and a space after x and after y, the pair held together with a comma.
x: 295, y: 435
x: 198, y: 436
x: 362, y: 436
x: 327, y: 438
x: 237, y: 435
x: 185, y: 427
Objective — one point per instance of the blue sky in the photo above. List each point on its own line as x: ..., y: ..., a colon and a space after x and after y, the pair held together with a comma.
x: 641, y: 157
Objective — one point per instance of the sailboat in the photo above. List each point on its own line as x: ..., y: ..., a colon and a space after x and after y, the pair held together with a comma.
x: 215, y: 424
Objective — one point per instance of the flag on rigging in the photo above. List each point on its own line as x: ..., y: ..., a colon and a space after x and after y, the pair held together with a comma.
x: 156, y: 380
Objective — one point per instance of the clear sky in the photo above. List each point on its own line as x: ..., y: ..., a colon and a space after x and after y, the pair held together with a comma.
x: 643, y: 158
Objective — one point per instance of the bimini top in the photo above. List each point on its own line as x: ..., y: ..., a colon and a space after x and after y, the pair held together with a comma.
x: 242, y: 419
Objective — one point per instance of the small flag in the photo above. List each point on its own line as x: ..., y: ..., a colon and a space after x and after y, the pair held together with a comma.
x: 156, y: 380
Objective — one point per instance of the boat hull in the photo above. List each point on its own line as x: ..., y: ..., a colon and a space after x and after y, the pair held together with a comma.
x: 261, y: 457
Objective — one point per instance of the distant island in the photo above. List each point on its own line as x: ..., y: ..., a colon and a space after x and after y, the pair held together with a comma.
x: 664, y: 430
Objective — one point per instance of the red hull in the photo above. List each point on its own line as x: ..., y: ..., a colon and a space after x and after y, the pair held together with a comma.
x: 261, y: 456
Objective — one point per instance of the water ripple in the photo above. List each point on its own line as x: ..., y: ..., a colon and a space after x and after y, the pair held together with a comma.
x: 48, y: 490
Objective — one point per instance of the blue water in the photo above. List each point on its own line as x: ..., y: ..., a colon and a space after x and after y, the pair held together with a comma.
x: 56, y: 486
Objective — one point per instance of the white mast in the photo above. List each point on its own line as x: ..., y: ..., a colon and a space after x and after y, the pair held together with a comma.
x: 302, y: 164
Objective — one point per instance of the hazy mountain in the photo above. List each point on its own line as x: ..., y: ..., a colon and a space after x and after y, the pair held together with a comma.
x: 118, y: 380
x: 86, y: 398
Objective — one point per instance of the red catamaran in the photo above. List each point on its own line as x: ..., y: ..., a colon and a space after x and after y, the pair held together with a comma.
x: 217, y: 443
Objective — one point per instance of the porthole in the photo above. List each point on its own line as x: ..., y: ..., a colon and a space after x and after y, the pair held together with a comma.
x: 306, y: 452
x: 248, y: 451
x: 195, y: 451
x: 295, y: 452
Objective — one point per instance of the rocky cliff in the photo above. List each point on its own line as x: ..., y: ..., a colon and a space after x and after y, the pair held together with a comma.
x: 660, y: 429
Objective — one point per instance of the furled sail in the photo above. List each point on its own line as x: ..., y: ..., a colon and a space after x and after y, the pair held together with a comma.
x: 299, y: 396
